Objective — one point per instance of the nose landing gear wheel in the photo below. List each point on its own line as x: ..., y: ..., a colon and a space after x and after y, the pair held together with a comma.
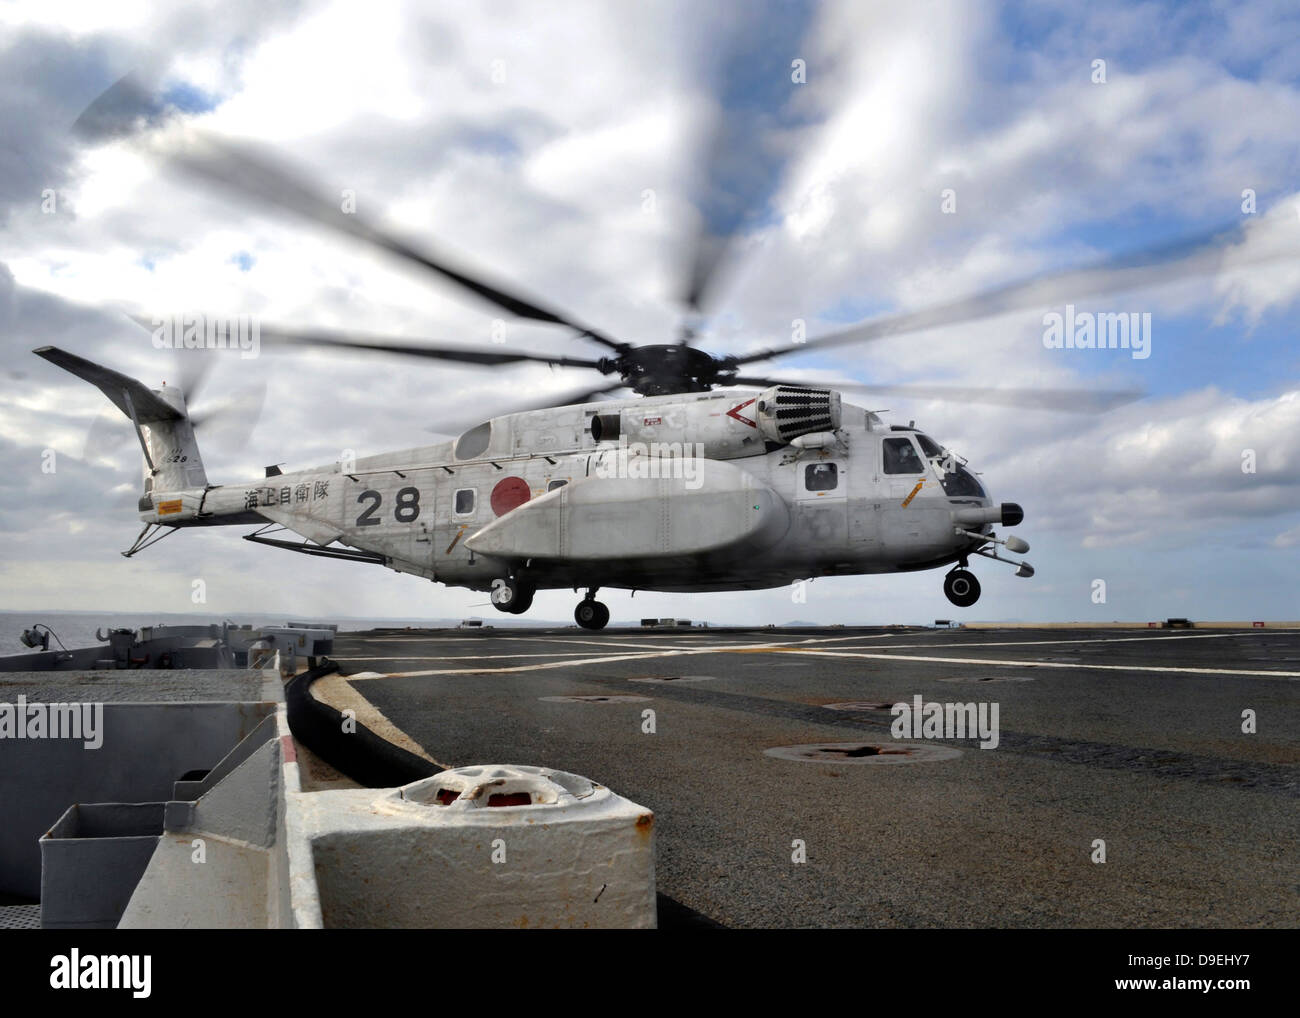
x: 961, y: 588
x: 512, y: 596
x: 591, y: 614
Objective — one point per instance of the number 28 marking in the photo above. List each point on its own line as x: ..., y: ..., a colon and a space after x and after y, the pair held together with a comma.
x: 407, y: 509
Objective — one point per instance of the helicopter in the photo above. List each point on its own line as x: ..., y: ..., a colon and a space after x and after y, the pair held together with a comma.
x: 708, y: 478
x: 724, y: 489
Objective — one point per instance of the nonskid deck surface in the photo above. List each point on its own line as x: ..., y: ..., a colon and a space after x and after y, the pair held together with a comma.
x: 1129, y: 737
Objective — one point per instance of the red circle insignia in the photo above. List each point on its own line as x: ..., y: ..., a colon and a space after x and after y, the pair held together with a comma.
x: 510, y: 493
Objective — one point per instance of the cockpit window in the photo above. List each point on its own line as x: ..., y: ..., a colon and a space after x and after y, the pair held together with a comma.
x: 901, y: 458
x: 929, y: 446
x: 957, y: 480
x: 960, y: 481
x: 474, y: 442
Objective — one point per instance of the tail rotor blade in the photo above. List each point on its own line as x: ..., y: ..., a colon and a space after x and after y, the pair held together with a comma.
x: 192, y: 370
x: 230, y: 423
x: 108, y: 434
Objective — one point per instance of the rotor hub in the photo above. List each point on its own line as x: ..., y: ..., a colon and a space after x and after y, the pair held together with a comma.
x: 666, y: 368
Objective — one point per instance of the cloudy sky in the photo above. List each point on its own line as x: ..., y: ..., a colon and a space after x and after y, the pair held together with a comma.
x: 934, y: 150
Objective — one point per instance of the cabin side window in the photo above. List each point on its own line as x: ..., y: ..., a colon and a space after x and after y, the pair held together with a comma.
x: 900, y: 457
x: 821, y: 477
x: 463, y: 502
x: 559, y: 482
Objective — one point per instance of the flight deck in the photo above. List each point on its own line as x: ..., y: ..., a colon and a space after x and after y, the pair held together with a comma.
x: 1132, y: 778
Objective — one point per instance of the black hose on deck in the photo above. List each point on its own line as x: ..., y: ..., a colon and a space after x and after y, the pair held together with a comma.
x: 359, y: 753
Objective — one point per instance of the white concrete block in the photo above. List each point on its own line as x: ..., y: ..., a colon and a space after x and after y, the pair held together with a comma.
x: 486, y: 846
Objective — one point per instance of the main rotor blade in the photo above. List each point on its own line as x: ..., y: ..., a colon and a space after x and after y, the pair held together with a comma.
x: 1066, y: 400
x: 546, y: 403
x: 340, y: 340
x: 466, y: 354
x: 248, y: 172
x: 743, y: 154
x: 1198, y: 255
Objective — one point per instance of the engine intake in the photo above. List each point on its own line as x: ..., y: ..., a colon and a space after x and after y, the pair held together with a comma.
x: 784, y: 412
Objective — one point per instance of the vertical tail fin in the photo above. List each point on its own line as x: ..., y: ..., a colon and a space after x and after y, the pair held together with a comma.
x: 162, y: 424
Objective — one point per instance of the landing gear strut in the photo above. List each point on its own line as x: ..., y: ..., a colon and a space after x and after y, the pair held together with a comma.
x: 961, y: 587
x: 590, y: 613
x: 512, y: 596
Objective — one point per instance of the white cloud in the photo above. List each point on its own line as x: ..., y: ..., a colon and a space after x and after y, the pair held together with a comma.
x: 540, y: 177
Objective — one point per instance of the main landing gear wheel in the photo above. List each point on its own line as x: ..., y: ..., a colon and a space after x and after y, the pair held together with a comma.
x: 962, y: 588
x: 512, y: 596
x: 591, y: 614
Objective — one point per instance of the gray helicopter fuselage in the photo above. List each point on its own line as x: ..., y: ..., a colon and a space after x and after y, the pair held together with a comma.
x: 689, y: 492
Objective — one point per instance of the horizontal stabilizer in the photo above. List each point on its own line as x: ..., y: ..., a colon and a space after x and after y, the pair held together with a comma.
x: 125, y: 392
